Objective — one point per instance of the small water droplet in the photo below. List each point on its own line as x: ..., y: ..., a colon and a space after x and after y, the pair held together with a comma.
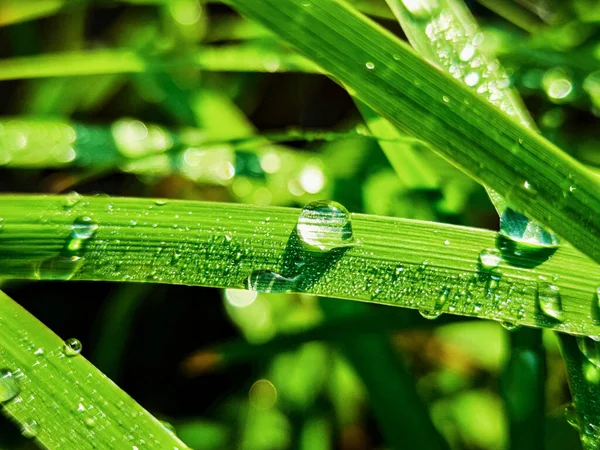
x: 571, y: 416
x: 421, y: 9
x: 430, y: 314
x: 84, y: 227
x: 73, y: 347
x: 490, y: 258
x: 369, y: 65
x: 550, y: 301
x: 71, y: 200
x: 9, y: 386
x: 325, y: 225
x: 471, y: 79
x: 591, y: 372
x: 590, y: 349
x: 160, y: 202
x: 90, y: 422
x: 59, y: 268
x: 510, y: 326
x: 445, y: 99
x: 270, y: 282
x: 30, y: 429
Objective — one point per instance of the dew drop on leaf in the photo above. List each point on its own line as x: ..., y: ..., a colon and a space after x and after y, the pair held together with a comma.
x: 30, y: 429
x: 325, y: 225
x: 73, y: 347
x: 59, y: 268
x: 509, y: 326
x: 9, y: 386
x: 590, y: 349
x: 430, y: 314
x: 550, y: 302
x: 71, y: 200
x: 270, y: 282
x: 490, y: 258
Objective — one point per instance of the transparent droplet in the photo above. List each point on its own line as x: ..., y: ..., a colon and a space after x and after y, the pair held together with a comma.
x: 270, y: 282
x: 509, y: 326
x: 550, y: 301
x: 325, y: 225
x: 90, y: 422
x: 571, y: 416
x: 59, y: 268
x: 84, y: 227
x: 73, y: 347
x: 490, y: 258
x: 160, y: 202
x: 369, y: 65
x: 30, y: 429
x: 525, y: 232
x: 9, y: 386
x: 71, y: 200
x: 590, y: 349
x: 471, y: 79
x: 168, y: 426
x: 430, y: 314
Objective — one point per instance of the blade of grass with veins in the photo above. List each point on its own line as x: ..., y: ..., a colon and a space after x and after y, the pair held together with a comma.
x: 446, y: 34
x: 397, y: 262
x: 60, y: 399
x: 536, y: 177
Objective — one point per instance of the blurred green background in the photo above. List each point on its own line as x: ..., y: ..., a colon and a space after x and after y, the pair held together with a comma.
x: 245, y: 370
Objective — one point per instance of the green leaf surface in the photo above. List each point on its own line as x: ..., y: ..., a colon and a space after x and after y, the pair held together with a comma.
x: 533, y: 175
x: 395, y: 261
x: 64, y: 401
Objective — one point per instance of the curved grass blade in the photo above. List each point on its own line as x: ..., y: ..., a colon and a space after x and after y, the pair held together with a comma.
x: 584, y: 383
x: 63, y: 401
x: 230, y: 58
x: 535, y: 177
x: 393, y: 261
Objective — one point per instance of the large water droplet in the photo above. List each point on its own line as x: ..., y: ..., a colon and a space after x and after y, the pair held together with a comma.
x: 430, y: 314
x: 30, y: 429
x: 73, y: 347
x: 71, y: 200
x: 59, y: 268
x: 9, y: 386
x: 590, y: 349
x: 490, y: 258
x: 519, y: 228
x: 325, y: 225
x: 550, y: 301
x: 84, y: 227
x: 267, y: 281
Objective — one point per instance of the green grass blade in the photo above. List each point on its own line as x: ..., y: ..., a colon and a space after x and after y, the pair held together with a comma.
x: 584, y: 383
x: 407, y: 263
x: 65, y: 401
x: 533, y: 175
x: 231, y: 58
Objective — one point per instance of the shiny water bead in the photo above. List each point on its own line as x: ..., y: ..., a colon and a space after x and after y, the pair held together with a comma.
x: 325, y: 225
x: 72, y: 347
x: 30, y: 429
x: 9, y: 386
x: 550, y: 301
x: 521, y: 229
x: 421, y: 9
x: 490, y: 258
x: 270, y: 282
x: 590, y: 349
x: 59, y: 268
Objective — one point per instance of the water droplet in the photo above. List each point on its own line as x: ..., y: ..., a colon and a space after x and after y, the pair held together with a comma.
x: 30, y: 429
x: 571, y: 416
x: 510, y: 326
x: 160, y: 202
x: 590, y: 349
x: 430, y: 314
x: 521, y: 230
x: 490, y: 258
x: 445, y: 99
x: 369, y: 65
x: 9, y: 386
x: 550, y: 301
x: 90, y: 422
x: 59, y: 268
x: 325, y: 225
x: 471, y: 79
x: 168, y: 426
x: 73, y: 347
x: 271, y: 282
x: 71, y: 200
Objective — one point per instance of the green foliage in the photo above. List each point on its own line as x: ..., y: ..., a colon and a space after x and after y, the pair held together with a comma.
x: 224, y: 150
